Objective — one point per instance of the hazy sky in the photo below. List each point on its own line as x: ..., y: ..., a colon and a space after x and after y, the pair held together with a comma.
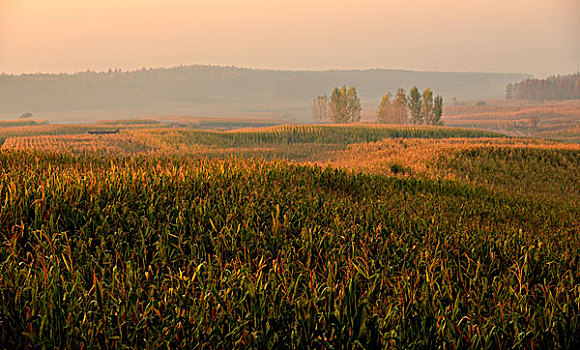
x: 540, y: 37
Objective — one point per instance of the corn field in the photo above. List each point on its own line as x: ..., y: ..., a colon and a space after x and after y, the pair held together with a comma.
x: 158, y: 237
x: 151, y: 251
x: 78, y: 143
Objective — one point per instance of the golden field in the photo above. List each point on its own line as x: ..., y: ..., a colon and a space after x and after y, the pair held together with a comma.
x: 306, y: 236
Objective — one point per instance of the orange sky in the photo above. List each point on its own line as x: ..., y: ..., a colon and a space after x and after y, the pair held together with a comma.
x: 530, y: 36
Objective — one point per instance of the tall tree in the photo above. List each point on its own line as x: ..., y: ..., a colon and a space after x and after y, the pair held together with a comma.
x: 414, y: 103
x: 353, y: 107
x: 427, y: 107
x: 386, y: 114
x: 338, y: 105
x: 394, y: 110
x: 344, y: 105
x: 437, y: 110
x: 321, y: 108
x: 400, y: 107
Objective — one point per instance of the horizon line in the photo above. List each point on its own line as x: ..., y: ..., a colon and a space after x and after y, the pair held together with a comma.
x: 204, y: 65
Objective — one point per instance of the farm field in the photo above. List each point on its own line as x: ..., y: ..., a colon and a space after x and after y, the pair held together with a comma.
x: 555, y: 120
x: 188, y: 140
x: 60, y: 129
x: 7, y: 123
x: 359, y: 236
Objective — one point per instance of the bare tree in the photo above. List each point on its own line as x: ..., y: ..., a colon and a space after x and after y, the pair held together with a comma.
x: 320, y: 108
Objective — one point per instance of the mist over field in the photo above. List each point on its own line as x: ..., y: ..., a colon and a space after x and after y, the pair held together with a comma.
x: 219, y: 91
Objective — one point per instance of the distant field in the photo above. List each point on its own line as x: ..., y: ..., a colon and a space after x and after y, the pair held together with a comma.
x: 287, y: 141
x: 9, y: 123
x: 59, y: 130
x: 556, y: 120
x: 78, y: 144
x: 307, y: 236
x: 222, y: 123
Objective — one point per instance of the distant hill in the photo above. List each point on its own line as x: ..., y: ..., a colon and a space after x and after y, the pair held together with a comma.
x: 214, y: 90
x: 561, y: 87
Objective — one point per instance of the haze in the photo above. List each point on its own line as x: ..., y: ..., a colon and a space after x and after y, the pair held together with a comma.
x: 529, y: 36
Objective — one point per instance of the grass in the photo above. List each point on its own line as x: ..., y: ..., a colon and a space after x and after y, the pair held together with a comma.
x: 170, y: 247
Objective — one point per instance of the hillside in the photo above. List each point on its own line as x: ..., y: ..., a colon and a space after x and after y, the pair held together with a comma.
x: 555, y: 120
x: 218, y: 91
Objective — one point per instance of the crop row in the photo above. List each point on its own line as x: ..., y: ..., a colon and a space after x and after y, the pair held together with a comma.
x: 77, y: 143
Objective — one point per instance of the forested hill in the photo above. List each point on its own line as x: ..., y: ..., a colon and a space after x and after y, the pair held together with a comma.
x: 200, y: 89
x: 561, y: 87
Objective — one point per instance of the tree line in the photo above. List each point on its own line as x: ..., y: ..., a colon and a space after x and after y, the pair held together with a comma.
x: 204, y: 89
x: 552, y: 88
x: 344, y: 106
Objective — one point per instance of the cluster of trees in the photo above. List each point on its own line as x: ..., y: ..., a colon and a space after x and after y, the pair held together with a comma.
x: 343, y: 106
x: 416, y: 108
x: 553, y: 88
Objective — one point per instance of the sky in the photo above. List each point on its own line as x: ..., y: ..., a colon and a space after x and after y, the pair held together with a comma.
x: 539, y: 37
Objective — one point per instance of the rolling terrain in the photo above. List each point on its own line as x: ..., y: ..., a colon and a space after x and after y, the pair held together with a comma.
x: 556, y: 120
x: 311, y: 236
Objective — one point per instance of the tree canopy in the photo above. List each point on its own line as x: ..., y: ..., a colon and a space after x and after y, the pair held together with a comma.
x: 415, y: 109
x: 343, y: 106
